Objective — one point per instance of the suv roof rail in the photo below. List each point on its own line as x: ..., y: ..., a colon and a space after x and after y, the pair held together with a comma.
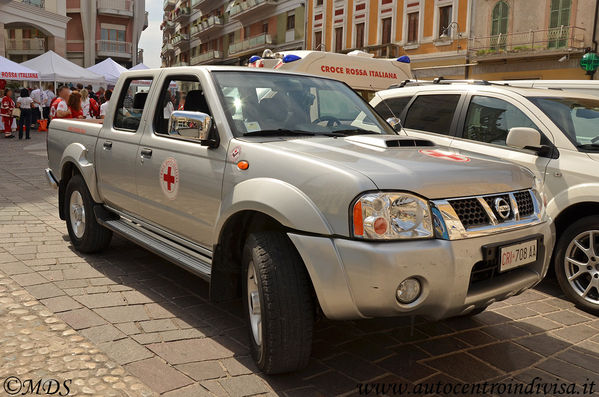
x: 442, y: 80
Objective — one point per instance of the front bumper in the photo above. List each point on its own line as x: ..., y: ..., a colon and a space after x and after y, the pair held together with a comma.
x: 358, y: 279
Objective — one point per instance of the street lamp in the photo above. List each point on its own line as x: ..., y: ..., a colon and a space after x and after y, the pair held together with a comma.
x: 447, y: 30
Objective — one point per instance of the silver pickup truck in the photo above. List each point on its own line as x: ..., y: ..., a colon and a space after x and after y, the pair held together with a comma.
x: 290, y: 191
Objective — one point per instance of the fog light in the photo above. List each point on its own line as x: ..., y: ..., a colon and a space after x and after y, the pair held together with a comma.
x: 408, y: 290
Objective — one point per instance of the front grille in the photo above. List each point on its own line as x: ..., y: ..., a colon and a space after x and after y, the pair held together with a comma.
x: 470, y: 212
x: 491, y: 202
x: 483, y: 270
x: 525, y: 204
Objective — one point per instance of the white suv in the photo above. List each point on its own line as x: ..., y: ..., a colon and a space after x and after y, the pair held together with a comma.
x: 553, y: 133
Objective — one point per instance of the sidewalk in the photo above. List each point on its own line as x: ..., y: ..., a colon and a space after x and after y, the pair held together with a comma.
x: 153, y: 320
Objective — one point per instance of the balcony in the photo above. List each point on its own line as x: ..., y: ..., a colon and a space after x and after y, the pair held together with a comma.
x: 250, y: 44
x: 169, y: 5
x: 167, y: 26
x: 248, y: 8
x: 196, y: 3
x: 565, y: 39
x: 181, y: 15
x: 206, y: 57
x: 26, y: 46
x: 181, y: 63
x: 35, y: 3
x: 115, y: 7
x: 180, y: 39
x: 114, y: 49
x: 167, y: 47
x: 210, y: 24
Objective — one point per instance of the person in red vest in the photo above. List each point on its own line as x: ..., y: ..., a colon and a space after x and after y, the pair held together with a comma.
x: 6, y: 107
x: 59, y: 108
x: 74, y: 104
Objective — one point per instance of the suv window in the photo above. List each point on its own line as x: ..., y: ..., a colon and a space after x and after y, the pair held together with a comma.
x: 432, y: 113
x: 178, y: 93
x: 490, y: 119
x: 130, y: 104
x: 395, y: 104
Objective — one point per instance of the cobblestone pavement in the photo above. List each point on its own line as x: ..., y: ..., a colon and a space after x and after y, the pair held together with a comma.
x: 154, y: 320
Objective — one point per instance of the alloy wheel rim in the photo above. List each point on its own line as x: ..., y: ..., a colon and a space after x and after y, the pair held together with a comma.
x: 77, y: 214
x: 582, y: 265
x: 254, y: 307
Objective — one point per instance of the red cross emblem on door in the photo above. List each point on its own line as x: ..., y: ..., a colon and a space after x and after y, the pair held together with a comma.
x: 446, y: 155
x: 169, y: 178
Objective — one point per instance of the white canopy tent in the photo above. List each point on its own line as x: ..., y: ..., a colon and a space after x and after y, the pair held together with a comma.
x: 109, y: 69
x: 10, y: 70
x: 139, y: 66
x: 53, y: 67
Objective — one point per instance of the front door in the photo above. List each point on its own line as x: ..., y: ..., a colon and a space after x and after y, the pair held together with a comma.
x: 178, y: 180
x: 117, y: 146
x: 486, y: 125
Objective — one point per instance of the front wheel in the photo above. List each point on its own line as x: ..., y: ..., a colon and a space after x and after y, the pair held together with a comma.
x: 279, y: 307
x: 576, y: 263
x: 86, y: 234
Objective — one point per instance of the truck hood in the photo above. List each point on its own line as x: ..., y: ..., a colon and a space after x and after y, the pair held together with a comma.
x: 395, y: 162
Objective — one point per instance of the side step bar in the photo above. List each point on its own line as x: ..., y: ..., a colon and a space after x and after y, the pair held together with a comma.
x: 190, y: 260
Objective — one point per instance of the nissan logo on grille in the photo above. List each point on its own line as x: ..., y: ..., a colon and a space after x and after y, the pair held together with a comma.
x: 503, y: 208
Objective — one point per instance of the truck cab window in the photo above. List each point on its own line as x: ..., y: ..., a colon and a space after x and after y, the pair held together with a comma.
x: 432, y: 113
x: 131, y: 104
x: 181, y: 93
x: 392, y: 107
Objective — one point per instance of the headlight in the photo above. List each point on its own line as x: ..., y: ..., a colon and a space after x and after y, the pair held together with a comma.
x: 391, y: 216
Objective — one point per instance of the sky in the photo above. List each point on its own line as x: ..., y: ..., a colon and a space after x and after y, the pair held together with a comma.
x: 151, y: 38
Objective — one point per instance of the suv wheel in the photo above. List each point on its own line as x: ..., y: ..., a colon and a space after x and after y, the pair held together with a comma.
x: 278, y: 303
x: 86, y: 234
x: 577, y: 263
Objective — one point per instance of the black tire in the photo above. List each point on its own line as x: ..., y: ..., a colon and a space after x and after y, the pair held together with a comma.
x: 286, y: 303
x: 579, y: 227
x: 95, y: 237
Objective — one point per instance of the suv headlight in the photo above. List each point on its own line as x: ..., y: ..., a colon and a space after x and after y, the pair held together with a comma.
x: 391, y: 216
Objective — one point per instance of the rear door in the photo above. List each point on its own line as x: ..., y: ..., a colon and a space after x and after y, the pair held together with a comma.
x: 485, y: 123
x: 178, y: 180
x: 116, y: 150
x: 433, y: 116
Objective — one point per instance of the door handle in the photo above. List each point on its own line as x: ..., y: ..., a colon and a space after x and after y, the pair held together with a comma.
x: 107, y: 145
x: 146, y: 152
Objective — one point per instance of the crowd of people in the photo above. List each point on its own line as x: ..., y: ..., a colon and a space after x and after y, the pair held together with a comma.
x: 28, y: 107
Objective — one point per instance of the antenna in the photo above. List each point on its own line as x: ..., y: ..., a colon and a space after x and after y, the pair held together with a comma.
x: 389, y: 108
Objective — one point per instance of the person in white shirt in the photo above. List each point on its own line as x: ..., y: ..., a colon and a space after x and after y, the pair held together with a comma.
x: 24, y: 102
x: 49, y: 97
x: 104, y: 106
x: 85, y: 102
x: 37, y: 95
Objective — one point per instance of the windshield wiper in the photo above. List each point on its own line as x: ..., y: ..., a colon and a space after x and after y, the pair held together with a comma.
x: 278, y: 132
x: 353, y: 131
x: 589, y: 146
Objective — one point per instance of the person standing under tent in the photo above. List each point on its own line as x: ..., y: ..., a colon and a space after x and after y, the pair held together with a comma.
x: 49, y: 97
x: 88, y: 105
x: 100, y: 96
x: 59, y: 108
x: 74, y: 104
x: 25, y: 102
x: 6, y: 107
x: 105, y: 105
x: 37, y: 96
x: 92, y: 94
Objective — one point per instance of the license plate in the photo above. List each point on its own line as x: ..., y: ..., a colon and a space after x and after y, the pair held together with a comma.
x: 516, y: 255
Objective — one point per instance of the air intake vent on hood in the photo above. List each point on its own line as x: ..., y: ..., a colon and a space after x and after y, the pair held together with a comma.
x: 389, y: 141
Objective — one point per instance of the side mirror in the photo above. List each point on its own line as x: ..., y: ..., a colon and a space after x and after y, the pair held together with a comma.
x: 395, y: 123
x: 194, y: 126
x: 524, y: 138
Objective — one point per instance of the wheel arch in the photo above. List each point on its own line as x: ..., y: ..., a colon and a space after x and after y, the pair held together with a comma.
x: 574, y: 211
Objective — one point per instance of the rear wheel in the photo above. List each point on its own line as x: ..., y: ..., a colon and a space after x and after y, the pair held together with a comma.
x: 278, y: 303
x: 576, y: 262
x: 84, y: 231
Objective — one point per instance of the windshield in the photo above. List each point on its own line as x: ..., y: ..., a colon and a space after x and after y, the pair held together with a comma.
x: 577, y: 117
x: 284, y: 104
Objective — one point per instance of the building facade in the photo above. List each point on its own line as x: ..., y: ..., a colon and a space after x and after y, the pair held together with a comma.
x: 433, y: 33
x: 520, y: 39
x: 197, y: 32
x: 84, y: 31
